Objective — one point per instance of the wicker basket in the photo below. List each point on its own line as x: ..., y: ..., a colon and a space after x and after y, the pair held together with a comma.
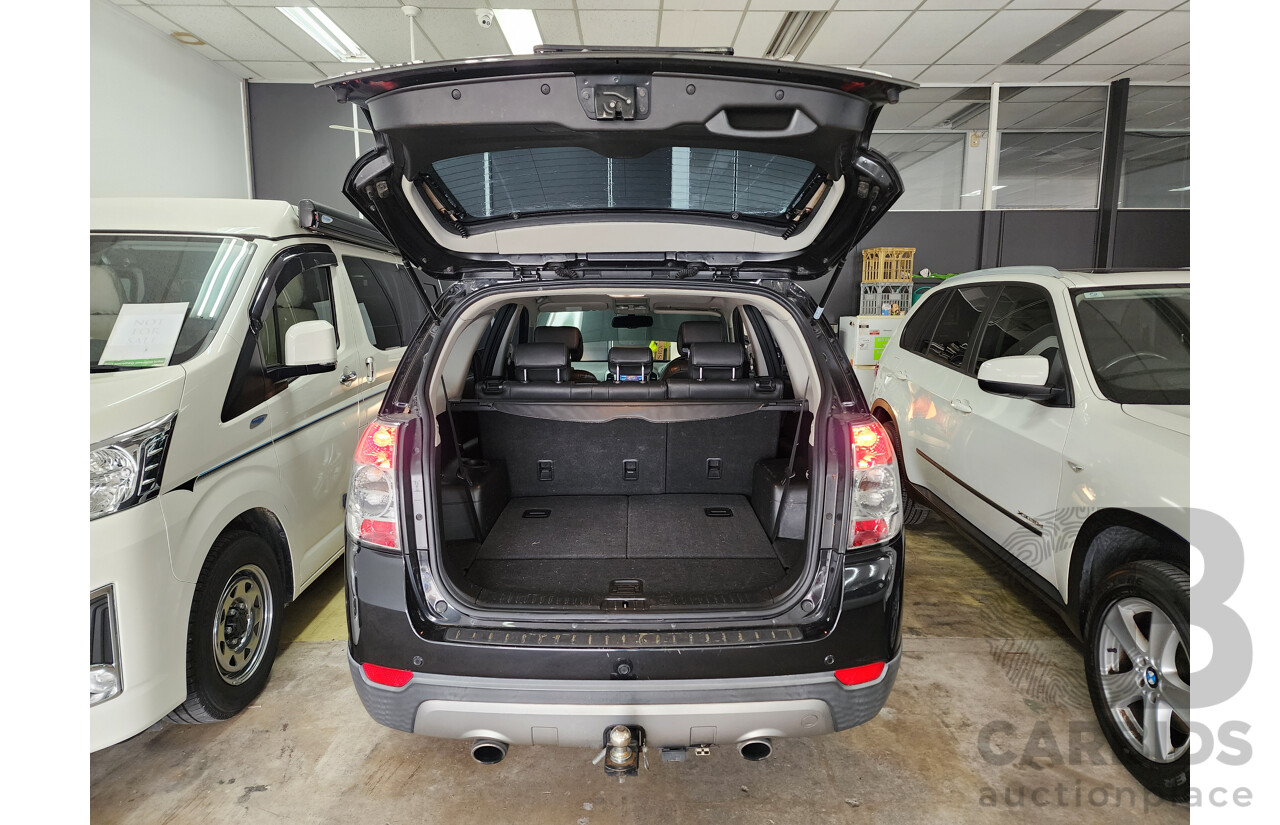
x: 887, y: 263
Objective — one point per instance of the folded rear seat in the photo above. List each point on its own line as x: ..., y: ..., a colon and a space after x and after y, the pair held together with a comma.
x: 719, y: 371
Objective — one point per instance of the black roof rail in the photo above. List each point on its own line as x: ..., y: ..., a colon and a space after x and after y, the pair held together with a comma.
x: 340, y: 226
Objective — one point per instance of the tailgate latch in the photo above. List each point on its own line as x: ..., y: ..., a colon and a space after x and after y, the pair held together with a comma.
x: 616, y: 102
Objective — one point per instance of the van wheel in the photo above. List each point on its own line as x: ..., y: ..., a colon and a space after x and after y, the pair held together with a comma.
x: 914, y: 511
x: 234, y: 629
x: 1138, y: 664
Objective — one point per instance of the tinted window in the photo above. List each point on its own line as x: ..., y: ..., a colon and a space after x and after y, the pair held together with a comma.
x: 958, y: 324
x: 915, y: 335
x: 391, y: 307
x: 1021, y: 323
x: 306, y: 297
x: 1139, y: 342
x: 559, y: 179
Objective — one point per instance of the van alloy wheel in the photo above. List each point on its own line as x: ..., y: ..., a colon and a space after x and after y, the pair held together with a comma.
x: 243, y: 621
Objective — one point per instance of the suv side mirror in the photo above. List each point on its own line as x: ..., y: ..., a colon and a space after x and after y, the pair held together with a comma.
x: 1017, y: 376
x: 310, y: 347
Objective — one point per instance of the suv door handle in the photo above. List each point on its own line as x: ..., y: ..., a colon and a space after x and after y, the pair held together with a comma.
x: 370, y: 373
x: 961, y: 405
x: 349, y: 376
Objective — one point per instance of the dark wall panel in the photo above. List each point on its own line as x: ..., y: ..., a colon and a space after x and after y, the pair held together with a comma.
x: 1059, y: 237
x: 295, y: 153
x: 1155, y: 238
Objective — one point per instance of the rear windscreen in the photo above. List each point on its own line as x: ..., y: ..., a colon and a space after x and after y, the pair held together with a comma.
x: 573, y: 179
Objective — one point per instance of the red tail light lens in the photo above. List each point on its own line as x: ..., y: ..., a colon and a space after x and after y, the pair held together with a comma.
x: 389, y: 676
x: 875, y: 502
x: 859, y: 675
x: 372, y: 512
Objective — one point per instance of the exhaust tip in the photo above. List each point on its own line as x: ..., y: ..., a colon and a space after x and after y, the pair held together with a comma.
x: 754, y: 750
x: 488, y: 751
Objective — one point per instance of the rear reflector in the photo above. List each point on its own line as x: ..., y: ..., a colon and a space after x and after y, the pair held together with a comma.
x: 859, y: 675
x: 389, y: 676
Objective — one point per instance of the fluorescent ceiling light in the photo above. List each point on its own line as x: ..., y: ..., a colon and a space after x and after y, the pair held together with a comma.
x: 520, y: 29
x: 325, y: 32
x: 1181, y: 189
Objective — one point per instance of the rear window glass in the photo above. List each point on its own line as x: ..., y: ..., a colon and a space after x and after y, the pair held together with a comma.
x: 572, y: 179
x: 599, y: 334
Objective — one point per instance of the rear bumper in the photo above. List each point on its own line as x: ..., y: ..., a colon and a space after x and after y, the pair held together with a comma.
x: 673, y: 713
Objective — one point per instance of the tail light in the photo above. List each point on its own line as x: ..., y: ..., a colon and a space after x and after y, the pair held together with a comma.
x: 875, y: 500
x: 373, y: 514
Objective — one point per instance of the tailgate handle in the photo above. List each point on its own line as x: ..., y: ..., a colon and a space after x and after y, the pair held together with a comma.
x: 799, y: 124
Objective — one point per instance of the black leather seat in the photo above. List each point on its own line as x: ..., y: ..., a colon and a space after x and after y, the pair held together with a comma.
x: 539, y: 371
x: 692, y: 332
x: 571, y: 337
x: 718, y: 370
x: 631, y: 375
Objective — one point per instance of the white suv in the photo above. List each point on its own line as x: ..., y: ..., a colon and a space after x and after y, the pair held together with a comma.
x: 1047, y: 415
x: 237, y: 348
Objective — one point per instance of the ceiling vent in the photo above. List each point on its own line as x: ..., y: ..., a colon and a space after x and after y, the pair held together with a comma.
x: 794, y: 33
x: 1063, y: 36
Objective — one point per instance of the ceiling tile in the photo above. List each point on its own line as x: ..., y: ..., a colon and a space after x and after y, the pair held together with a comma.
x: 788, y: 5
x: 152, y: 18
x: 384, y: 34
x: 210, y: 53
x: 1101, y: 36
x: 1051, y: 4
x: 622, y: 28
x: 184, y: 2
x: 900, y: 72
x: 698, y: 28
x: 756, y: 32
x: 1155, y: 74
x: 953, y: 74
x: 950, y: 5
x: 536, y: 5
x: 619, y: 4
x: 1006, y: 34
x: 1087, y: 73
x: 288, y: 33
x: 293, y: 71
x: 1020, y: 74
x: 700, y: 5
x: 557, y: 26
x: 1156, y: 5
x: 384, y: 3
x: 1168, y: 31
x: 875, y: 5
x: 927, y: 35
x: 456, y: 34
x: 849, y: 38
x: 238, y: 69
x: 1182, y: 54
x: 229, y: 31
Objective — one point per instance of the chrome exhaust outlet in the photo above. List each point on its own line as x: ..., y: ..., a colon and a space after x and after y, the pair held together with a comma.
x: 488, y: 751
x: 754, y: 750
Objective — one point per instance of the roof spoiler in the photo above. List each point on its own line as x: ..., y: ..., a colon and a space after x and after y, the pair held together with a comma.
x: 339, y: 225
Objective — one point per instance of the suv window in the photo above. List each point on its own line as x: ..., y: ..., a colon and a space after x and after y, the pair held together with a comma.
x: 958, y: 324
x: 391, y: 306
x: 1021, y: 323
x: 915, y: 335
x: 599, y: 334
x: 308, y: 296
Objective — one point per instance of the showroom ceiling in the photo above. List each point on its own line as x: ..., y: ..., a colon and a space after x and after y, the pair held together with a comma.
x: 929, y: 41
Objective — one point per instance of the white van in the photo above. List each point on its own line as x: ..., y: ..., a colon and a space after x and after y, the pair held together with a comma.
x: 237, y: 349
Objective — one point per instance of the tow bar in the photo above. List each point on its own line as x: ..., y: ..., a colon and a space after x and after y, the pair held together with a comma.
x: 623, y: 749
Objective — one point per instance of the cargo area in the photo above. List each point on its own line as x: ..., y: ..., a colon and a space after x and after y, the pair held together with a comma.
x: 624, y: 514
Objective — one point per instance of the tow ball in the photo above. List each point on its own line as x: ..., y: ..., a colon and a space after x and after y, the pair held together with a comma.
x: 623, y: 750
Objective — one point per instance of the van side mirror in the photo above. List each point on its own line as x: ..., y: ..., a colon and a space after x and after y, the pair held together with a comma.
x: 310, y: 347
x: 1017, y: 376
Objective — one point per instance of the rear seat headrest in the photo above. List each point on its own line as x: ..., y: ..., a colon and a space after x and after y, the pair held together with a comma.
x: 630, y: 363
x: 697, y: 332
x: 717, y: 359
x: 541, y: 362
x: 571, y: 337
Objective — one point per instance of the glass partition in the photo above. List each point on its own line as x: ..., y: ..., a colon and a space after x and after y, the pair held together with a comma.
x: 1156, y: 162
x: 1050, y: 147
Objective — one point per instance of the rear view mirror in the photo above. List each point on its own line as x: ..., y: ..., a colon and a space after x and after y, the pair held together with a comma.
x: 309, y: 347
x: 1018, y: 376
x: 632, y: 321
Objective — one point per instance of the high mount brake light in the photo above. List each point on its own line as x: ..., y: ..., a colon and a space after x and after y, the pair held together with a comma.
x: 372, y: 512
x: 875, y: 500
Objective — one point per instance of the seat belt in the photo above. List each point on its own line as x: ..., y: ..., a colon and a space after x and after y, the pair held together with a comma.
x: 463, y: 472
x: 786, y: 481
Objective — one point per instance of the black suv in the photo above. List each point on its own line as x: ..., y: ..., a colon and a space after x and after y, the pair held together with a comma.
x: 623, y: 490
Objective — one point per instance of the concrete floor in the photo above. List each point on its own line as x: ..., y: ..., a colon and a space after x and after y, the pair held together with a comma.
x: 983, y: 662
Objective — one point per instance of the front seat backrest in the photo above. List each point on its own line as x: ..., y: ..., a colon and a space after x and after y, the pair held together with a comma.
x: 104, y: 301
x: 571, y: 337
x: 692, y: 332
